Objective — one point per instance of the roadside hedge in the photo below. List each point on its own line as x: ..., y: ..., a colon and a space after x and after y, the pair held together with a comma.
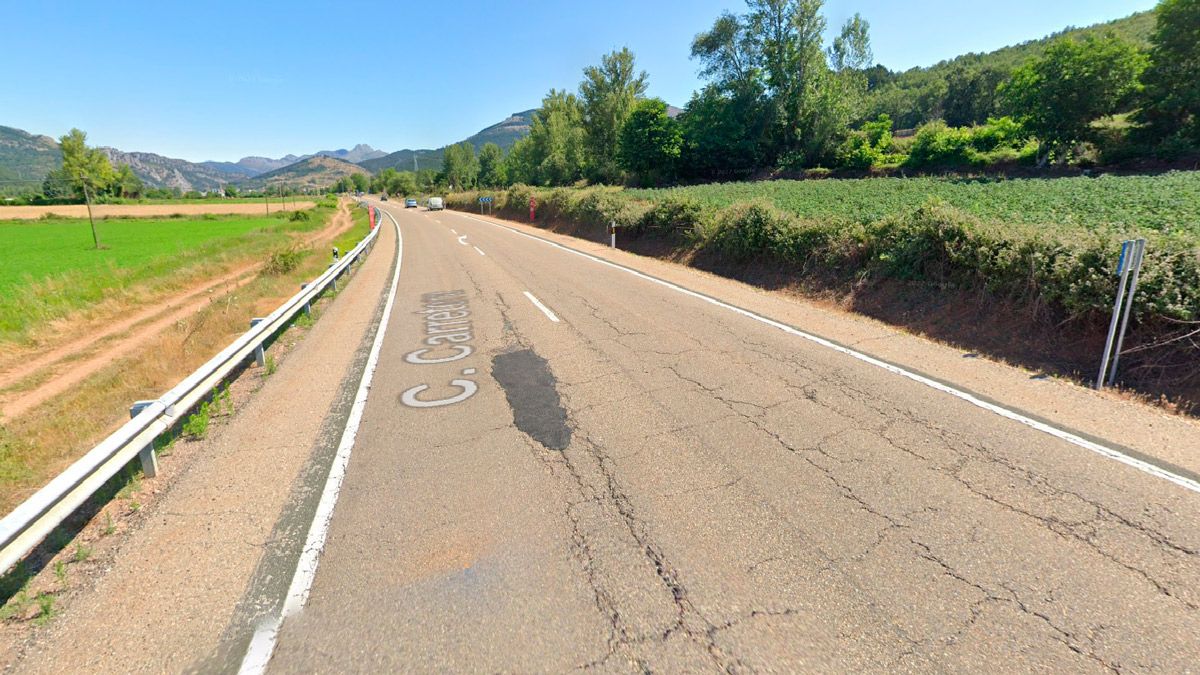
x: 1067, y: 267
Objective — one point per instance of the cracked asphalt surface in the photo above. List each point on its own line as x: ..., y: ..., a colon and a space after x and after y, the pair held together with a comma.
x: 654, y: 483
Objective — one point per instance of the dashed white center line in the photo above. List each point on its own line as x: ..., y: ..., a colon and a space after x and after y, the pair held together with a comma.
x: 454, y: 230
x: 539, y: 305
x: 478, y: 250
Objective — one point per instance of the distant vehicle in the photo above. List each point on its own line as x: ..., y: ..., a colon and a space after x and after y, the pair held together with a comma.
x: 410, y: 203
x: 436, y: 204
x: 383, y: 197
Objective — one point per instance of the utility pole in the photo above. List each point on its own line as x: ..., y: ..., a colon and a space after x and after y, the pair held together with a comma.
x: 88, y: 198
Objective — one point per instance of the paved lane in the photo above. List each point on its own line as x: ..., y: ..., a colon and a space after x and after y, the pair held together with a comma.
x: 600, y: 472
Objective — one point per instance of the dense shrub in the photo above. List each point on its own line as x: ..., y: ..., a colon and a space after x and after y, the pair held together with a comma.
x: 938, y: 146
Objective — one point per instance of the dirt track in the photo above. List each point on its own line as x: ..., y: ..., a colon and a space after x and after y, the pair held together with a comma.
x: 74, y: 360
x: 102, y: 210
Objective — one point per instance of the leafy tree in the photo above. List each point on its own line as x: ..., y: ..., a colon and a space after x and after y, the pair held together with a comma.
x: 650, y: 141
x: 1171, y: 101
x: 404, y: 184
x: 810, y: 95
x: 557, y: 150
x: 491, y: 165
x: 126, y: 183
x: 520, y: 165
x: 58, y: 185
x: 460, y: 166
x: 87, y: 169
x: 231, y: 190
x: 971, y: 95
x: 359, y: 182
x: 724, y: 133
x: 1056, y: 97
x: 608, y: 93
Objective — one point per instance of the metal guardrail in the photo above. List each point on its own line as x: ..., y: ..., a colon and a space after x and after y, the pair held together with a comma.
x: 26, y: 526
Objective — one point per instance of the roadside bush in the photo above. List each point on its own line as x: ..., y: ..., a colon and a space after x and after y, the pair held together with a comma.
x: 299, y: 216
x: 284, y: 261
x: 746, y: 231
x: 675, y: 217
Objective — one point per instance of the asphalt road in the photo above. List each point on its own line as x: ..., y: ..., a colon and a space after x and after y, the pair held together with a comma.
x: 566, y: 466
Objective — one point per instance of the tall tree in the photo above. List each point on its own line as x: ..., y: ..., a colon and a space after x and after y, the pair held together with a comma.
x: 557, y: 151
x: 650, y: 141
x: 461, y: 166
x: 608, y: 93
x: 810, y: 95
x: 1171, y: 100
x: 1057, y: 96
x: 491, y: 165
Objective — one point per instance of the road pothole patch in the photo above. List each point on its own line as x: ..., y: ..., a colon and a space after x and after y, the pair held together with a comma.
x: 532, y: 393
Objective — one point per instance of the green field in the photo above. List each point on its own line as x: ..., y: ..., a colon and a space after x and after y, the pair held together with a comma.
x: 1123, y: 203
x: 50, y: 268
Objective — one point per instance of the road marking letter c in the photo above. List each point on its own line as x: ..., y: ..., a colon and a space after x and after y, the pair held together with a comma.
x: 409, y: 397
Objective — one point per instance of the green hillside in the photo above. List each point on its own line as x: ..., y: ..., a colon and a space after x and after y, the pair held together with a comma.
x: 953, y: 89
x: 25, y: 160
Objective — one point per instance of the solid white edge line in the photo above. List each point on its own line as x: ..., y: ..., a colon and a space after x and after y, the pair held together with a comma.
x: 1102, y: 450
x: 478, y: 250
x: 539, y: 305
x: 262, y: 645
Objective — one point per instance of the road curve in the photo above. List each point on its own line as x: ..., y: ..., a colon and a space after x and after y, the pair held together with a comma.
x: 564, y: 466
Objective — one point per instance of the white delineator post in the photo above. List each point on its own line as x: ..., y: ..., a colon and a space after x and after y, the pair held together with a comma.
x: 1139, y: 252
x: 612, y: 229
x: 1123, y: 270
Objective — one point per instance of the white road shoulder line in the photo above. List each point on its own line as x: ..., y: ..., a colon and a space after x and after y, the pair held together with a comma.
x: 478, y: 250
x: 538, y: 303
x: 1074, y: 439
x: 262, y: 645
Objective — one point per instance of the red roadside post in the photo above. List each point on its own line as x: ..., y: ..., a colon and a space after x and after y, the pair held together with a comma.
x: 532, y: 209
x: 371, y: 211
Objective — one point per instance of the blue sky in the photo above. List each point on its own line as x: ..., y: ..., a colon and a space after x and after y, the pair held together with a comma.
x: 221, y: 80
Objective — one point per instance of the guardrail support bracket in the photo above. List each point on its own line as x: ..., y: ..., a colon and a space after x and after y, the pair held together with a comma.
x: 146, y: 454
x: 260, y: 358
x: 307, y: 305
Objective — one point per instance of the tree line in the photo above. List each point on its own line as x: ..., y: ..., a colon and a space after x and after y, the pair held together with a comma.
x: 778, y: 98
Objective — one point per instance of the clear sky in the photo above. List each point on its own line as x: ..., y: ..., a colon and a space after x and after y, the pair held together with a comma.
x: 221, y: 80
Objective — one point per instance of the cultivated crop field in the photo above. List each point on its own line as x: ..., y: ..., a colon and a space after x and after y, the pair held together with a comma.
x: 50, y: 268
x: 1162, y: 203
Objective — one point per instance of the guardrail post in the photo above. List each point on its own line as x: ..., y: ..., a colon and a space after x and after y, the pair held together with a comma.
x: 146, y: 454
x: 260, y: 358
x: 307, y: 305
